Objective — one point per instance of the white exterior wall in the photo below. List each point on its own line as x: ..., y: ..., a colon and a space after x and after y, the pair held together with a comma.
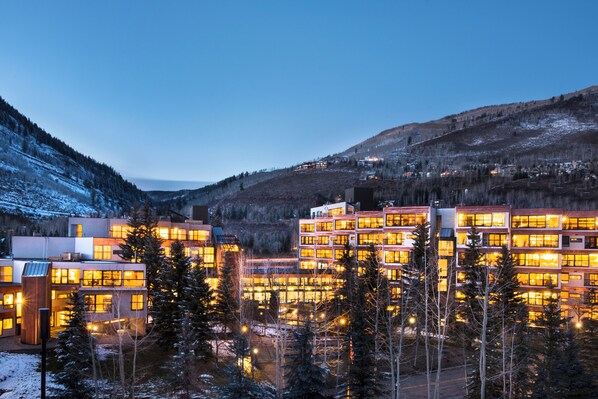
x: 84, y: 246
x: 46, y: 247
x: 448, y: 218
x: 41, y: 247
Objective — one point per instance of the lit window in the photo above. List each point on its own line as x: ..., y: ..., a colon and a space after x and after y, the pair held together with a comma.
x: 178, y: 234
x: 344, y: 225
x: 372, y: 238
x: 579, y: 223
x: 137, y: 302
x: 65, y: 276
x: 446, y: 248
x: 134, y: 278
x: 119, y: 231
x: 324, y: 226
x: 9, y: 301
x: 394, y: 238
x: 94, y: 278
x: 163, y: 233
x: 396, y: 257
x: 100, y: 303
x: 103, y: 252
x: 323, y: 240
x: 324, y: 253
x: 198, y: 235
x: 341, y: 240
x: 369, y: 222
x: 307, y: 227
x: 5, y: 274
x: 405, y: 219
x: 7, y: 324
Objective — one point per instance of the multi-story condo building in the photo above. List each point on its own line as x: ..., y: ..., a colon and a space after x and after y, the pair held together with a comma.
x: 45, y: 270
x: 555, y: 250
x: 88, y: 260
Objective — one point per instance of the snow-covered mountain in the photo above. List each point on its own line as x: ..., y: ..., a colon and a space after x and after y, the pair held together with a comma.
x: 42, y: 176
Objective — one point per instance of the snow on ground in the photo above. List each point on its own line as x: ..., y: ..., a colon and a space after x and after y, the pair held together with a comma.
x: 20, y: 376
x: 554, y: 127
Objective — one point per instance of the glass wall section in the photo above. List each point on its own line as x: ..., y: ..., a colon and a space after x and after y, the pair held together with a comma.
x: 102, y: 252
x: 494, y: 240
x: 306, y: 227
x: 119, y: 231
x: 396, y: 257
x: 324, y: 226
x: 405, y: 219
x: 98, y: 303
x: 134, y: 278
x: 344, y: 224
x: 394, y: 238
x: 102, y: 278
x: 66, y: 276
x: 574, y: 223
x: 536, y: 240
x: 536, y: 259
x: 369, y: 222
x: 370, y: 239
x: 307, y: 240
x: 5, y: 274
x: 340, y: 239
x: 496, y: 219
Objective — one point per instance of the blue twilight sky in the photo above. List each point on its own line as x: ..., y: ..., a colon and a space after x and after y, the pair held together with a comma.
x: 201, y: 90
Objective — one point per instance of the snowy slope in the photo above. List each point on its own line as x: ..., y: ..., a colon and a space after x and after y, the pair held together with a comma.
x: 41, y: 176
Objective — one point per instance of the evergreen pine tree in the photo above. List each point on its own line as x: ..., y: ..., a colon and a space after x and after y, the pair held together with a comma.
x: 181, y: 366
x: 362, y: 372
x: 551, y: 348
x: 305, y: 379
x: 197, y: 302
x: 513, y: 355
x: 589, y: 334
x: 227, y: 295
x: 75, y: 353
x: 142, y: 244
x: 572, y: 379
x: 172, y: 281
x: 133, y: 247
x: 241, y: 384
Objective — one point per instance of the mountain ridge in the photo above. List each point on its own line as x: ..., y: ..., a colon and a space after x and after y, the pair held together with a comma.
x: 41, y: 176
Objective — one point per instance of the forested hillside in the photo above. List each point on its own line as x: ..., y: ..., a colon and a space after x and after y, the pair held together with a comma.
x: 534, y: 154
x: 42, y: 176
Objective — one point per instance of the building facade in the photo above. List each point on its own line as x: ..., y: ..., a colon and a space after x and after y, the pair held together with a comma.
x: 555, y: 250
x: 88, y: 260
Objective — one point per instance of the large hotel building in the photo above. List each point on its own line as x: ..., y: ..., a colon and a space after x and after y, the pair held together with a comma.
x: 551, y: 247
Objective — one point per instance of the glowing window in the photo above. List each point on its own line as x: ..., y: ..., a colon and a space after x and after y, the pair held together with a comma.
x: 137, y: 302
x: 134, y: 278
x: 7, y: 324
x: 369, y: 222
x: 65, y: 276
x: 396, y: 257
x: 103, y: 252
x: 306, y: 252
x: 5, y: 274
x: 341, y: 240
x: 344, y: 224
x: 307, y: 227
x: 100, y: 303
x: 446, y: 248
